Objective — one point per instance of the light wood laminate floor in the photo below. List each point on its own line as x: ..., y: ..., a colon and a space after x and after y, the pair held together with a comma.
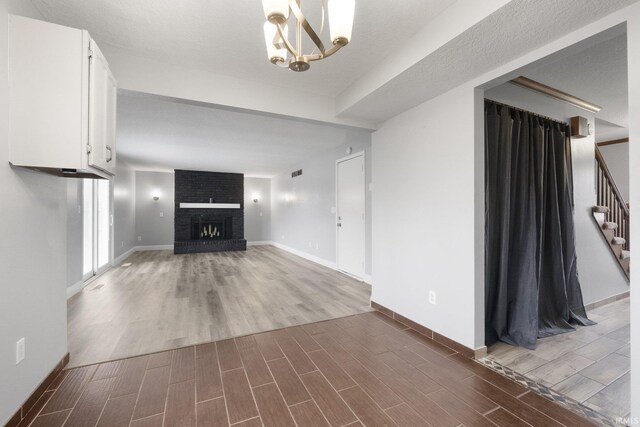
x: 158, y: 301
x: 590, y: 365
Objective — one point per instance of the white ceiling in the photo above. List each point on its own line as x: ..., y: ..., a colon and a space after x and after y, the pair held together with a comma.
x: 161, y: 135
x: 514, y: 30
x: 597, y: 74
x: 226, y: 37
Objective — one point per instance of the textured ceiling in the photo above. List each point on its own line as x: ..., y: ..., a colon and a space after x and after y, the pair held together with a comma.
x: 158, y: 134
x: 225, y: 37
x: 515, y: 29
x: 597, y: 74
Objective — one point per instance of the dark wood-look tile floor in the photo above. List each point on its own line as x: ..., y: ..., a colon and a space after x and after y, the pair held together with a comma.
x: 364, y: 369
x: 159, y: 301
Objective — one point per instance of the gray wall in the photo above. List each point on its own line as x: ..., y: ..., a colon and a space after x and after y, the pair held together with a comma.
x: 617, y: 158
x: 301, y: 207
x: 150, y: 228
x: 33, y: 259
x: 257, y: 216
x: 600, y: 275
x: 124, y: 209
x: 74, y: 231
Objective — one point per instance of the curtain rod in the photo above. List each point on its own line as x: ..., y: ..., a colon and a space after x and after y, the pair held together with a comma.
x: 528, y: 112
x: 555, y: 93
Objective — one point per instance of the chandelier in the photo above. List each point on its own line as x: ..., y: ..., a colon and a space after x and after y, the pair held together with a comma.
x: 276, y: 32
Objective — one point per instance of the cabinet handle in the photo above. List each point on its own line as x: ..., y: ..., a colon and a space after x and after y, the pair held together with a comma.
x: 108, y: 147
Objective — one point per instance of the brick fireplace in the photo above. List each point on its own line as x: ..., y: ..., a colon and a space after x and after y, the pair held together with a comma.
x: 209, y: 212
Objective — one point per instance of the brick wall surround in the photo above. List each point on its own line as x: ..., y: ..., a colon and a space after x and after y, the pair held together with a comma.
x: 200, y: 187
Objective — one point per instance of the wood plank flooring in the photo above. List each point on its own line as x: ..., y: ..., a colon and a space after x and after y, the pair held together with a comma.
x: 590, y: 365
x: 364, y: 369
x: 158, y: 301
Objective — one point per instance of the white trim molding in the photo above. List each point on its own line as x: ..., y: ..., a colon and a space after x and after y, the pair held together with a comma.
x: 154, y: 248
x: 260, y: 243
x: 120, y: 259
x: 313, y: 258
x: 75, y: 288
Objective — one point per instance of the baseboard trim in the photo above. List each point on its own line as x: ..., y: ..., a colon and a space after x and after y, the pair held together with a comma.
x: 428, y: 333
x: 608, y: 300
x: 119, y: 260
x: 75, y: 288
x: 309, y: 257
x: 24, y: 411
x: 260, y: 243
x: 154, y: 248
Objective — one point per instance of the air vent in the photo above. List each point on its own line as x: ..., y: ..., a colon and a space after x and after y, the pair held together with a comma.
x: 296, y: 173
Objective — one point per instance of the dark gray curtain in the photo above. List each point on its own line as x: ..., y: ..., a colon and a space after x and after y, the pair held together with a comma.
x: 532, y: 288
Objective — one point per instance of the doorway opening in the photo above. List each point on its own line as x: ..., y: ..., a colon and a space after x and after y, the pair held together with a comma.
x: 588, y: 366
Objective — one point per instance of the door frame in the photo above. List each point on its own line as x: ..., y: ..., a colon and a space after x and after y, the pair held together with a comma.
x: 364, y: 222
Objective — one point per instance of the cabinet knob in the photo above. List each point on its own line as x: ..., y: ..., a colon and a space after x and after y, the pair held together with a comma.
x: 108, y: 147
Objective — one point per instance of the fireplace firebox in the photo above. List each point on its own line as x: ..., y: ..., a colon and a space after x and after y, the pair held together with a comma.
x: 204, y: 227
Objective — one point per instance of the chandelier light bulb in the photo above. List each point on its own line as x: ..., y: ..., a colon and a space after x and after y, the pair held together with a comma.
x: 276, y: 10
x: 270, y: 34
x: 341, y: 20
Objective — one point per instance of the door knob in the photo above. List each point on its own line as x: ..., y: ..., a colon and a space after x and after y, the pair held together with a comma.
x: 339, y: 224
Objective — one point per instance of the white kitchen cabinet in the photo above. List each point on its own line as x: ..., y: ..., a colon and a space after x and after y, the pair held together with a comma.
x: 62, y: 101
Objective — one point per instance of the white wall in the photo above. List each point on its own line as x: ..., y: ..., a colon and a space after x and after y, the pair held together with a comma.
x: 616, y: 157
x: 257, y: 216
x: 423, y: 214
x: 74, y: 231
x: 599, y: 272
x: 124, y: 209
x: 301, y: 216
x: 33, y: 259
x: 152, y: 228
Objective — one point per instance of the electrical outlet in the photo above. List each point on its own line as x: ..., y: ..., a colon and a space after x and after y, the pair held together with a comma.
x: 79, y: 209
x: 161, y: 214
x: 260, y: 213
x: 20, y: 350
x: 432, y: 297
x: 122, y: 244
x: 139, y: 238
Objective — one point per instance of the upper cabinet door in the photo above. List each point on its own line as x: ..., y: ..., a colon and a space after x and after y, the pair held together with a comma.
x: 102, y: 112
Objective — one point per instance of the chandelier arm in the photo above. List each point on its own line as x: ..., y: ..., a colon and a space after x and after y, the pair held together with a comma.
x: 286, y: 42
x: 293, y: 5
x: 336, y: 47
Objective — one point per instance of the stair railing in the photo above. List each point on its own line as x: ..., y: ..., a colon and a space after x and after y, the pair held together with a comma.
x: 608, y: 195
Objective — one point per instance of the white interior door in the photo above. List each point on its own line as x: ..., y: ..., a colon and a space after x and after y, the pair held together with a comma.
x: 351, y: 215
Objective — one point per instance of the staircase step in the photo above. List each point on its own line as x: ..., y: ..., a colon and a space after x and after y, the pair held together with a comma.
x: 610, y: 226
x: 601, y: 209
x: 618, y: 241
x: 625, y: 255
